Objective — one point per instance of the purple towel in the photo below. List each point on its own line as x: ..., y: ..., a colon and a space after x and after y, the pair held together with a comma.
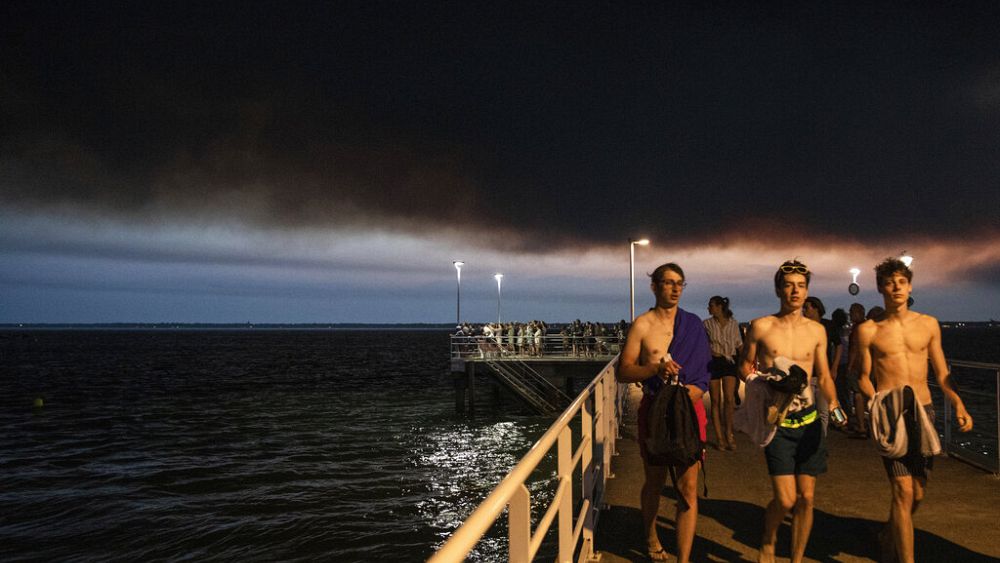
x: 690, y: 349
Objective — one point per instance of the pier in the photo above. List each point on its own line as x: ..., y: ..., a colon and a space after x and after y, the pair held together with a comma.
x: 544, y: 377
x: 600, y: 473
x: 957, y: 521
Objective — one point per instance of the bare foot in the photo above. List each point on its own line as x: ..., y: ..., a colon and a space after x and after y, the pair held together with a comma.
x: 765, y: 555
x: 657, y: 554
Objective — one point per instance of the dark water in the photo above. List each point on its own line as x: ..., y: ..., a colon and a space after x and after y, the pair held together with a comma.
x: 277, y: 445
x: 263, y: 445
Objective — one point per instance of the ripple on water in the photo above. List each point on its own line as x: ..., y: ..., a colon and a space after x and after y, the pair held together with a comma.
x: 295, y: 445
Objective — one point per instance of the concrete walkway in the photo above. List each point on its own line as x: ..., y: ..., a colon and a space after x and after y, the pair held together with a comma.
x: 958, y: 522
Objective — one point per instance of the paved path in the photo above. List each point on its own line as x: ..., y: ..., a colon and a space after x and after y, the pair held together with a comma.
x: 958, y: 522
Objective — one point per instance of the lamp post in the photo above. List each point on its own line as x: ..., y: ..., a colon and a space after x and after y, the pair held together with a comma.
x: 906, y: 259
x: 631, y: 275
x: 498, y: 277
x: 458, y: 300
x: 854, y: 288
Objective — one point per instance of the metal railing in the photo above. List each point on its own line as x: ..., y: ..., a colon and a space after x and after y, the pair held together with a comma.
x: 539, y: 392
x: 550, y: 346
x: 981, y: 446
x: 596, y: 407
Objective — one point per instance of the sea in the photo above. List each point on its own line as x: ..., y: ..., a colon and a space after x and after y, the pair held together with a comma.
x: 278, y: 444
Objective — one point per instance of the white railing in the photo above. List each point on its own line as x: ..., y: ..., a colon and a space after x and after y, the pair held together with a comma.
x: 551, y: 346
x: 597, y: 406
x: 981, y: 447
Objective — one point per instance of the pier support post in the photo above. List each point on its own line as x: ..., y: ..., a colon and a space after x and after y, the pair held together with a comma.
x: 470, y: 372
x: 458, y: 380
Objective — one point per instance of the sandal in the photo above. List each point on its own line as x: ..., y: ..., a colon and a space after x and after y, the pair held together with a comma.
x: 658, y: 555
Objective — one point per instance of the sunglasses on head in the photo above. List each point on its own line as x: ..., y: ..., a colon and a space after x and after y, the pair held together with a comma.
x: 794, y: 269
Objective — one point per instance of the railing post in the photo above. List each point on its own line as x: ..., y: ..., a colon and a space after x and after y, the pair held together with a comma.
x: 613, y: 422
x: 590, y: 411
x: 947, y: 414
x: 565, y: 467
x: 997, y: 388
x: 519, y: 525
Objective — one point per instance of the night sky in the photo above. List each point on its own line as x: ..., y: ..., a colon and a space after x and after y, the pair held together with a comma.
x: 294, y: 162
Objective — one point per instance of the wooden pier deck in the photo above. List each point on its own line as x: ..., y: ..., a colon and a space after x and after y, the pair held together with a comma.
x: 958, y: 522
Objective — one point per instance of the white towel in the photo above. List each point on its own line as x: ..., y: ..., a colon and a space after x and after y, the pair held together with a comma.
x: 895, y: 445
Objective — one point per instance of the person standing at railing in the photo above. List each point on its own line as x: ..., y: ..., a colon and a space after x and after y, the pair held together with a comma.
x: 796, y: 454
x: 896, y: 348
x: 724, y: 338
x: 667, y: 342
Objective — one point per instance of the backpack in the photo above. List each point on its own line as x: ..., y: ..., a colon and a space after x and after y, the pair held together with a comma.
x: 673, y: 438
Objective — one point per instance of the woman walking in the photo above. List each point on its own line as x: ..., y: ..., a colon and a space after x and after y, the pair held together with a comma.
x: 724, y: 339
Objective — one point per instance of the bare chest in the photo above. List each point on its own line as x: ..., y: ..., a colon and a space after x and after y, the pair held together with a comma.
x: 795, y: 344
x: 656, y: 342
x: 894, y: 339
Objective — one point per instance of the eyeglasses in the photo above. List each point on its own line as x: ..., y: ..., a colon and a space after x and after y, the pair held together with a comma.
x: 672, y: 283
x: 787, y: 268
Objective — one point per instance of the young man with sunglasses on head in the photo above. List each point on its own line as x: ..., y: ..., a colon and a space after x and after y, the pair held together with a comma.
x: 667, y: 343
x: 796, y: 454
x: 896, y: 347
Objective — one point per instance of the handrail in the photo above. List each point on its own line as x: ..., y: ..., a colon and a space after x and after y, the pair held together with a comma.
x: 539, y: 383
x: 527, y: 392
x: 552, y: 346
x: 962, y: 451
x: 599, y: 429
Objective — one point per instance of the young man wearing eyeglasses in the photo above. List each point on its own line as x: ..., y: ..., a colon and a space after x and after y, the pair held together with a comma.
x: 667, y: 342
x: 896, y: 347
x: 797, y: 453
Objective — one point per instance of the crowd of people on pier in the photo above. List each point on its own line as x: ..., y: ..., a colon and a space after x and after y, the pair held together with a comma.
x: 802, y: 374
x: 533, y: 339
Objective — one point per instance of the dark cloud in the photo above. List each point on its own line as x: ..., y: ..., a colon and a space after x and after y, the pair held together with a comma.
x: 570, y: 126
x: 985, y: 274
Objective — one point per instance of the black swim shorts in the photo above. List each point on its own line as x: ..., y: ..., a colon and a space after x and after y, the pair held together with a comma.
x: 797, y: 451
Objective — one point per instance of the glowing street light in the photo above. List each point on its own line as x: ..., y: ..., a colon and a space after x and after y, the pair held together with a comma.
x: 854, y: 288
x: 631, y: 275
x: 458, y: 301
x: 906, y: 259
x: 498, y: 277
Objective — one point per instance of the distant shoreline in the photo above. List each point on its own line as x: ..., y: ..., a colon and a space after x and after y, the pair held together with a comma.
x: 230, y: 326
x: 318, y: 326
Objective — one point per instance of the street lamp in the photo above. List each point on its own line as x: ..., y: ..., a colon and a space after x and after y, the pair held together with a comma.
x: 498, y: 277
x: 854, y: 288
x: 458, y: 301
x: 631, y: 275
x: 906, y: 259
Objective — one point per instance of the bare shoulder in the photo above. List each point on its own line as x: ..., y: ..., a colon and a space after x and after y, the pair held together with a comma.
x: 762, y: 323
x: 868, y: 328
x: 928, y: 320
x: 641, y: 323
x: 928, y: 325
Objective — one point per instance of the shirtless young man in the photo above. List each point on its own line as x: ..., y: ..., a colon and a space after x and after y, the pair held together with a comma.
x: 666, y: 328
x: 797, y: 453
x: 896, y: 347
